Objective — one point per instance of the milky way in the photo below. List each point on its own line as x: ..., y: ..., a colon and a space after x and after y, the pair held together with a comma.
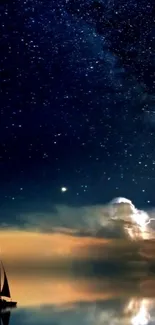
x: 77, y: 101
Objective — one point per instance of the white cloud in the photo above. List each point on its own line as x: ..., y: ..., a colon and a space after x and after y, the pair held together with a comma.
x: 114, y: 219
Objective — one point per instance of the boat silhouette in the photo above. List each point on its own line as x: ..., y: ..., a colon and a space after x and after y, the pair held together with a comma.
x: 5, y: 292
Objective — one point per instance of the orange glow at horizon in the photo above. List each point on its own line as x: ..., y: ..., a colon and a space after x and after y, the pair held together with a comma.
x: 28, y: 248
x: 19, y: 246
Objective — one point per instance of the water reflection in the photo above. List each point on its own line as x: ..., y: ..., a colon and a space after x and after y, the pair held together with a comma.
x: 139, y: 310
x: 100, y: 313
x: 69, y: 300
x: 5, y: 317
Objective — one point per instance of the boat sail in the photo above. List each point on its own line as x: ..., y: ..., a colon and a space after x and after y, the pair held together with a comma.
x: 5, y: 291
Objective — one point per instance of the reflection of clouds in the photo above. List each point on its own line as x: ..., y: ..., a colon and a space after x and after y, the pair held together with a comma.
x: 85, y: 301
x: 104, y: 316
x: 111, y: 312
x: 138, y: 308
x: 136, y: 312
x: 33, y: 290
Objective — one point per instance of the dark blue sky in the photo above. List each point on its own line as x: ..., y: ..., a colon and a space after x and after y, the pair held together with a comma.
x: 77, y: 105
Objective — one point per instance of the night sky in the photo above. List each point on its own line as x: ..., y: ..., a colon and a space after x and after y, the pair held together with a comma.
x: 77, y: 103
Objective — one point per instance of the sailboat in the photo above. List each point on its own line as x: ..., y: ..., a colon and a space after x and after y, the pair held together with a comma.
x: 5, y: 291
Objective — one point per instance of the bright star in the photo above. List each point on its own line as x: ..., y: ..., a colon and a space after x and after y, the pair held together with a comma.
x: 64, y: 189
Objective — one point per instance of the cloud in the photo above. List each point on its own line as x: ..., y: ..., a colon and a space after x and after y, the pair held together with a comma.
x: 116, y: 219
x: 116, y: 233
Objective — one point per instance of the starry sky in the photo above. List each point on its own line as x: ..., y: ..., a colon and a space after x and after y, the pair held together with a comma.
x: 77, y: 113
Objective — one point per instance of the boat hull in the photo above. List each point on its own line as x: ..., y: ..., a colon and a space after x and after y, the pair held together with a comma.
x: 7, y: 304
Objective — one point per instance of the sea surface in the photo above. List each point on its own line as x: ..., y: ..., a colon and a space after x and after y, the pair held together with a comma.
x: 67, y: 299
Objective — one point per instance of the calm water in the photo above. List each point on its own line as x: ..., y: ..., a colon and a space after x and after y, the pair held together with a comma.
x: 66, y: 300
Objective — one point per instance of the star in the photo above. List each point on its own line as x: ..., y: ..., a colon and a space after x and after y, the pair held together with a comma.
x: 64, y: 189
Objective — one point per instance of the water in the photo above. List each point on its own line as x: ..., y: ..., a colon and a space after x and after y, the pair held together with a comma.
x: 65, y: 300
